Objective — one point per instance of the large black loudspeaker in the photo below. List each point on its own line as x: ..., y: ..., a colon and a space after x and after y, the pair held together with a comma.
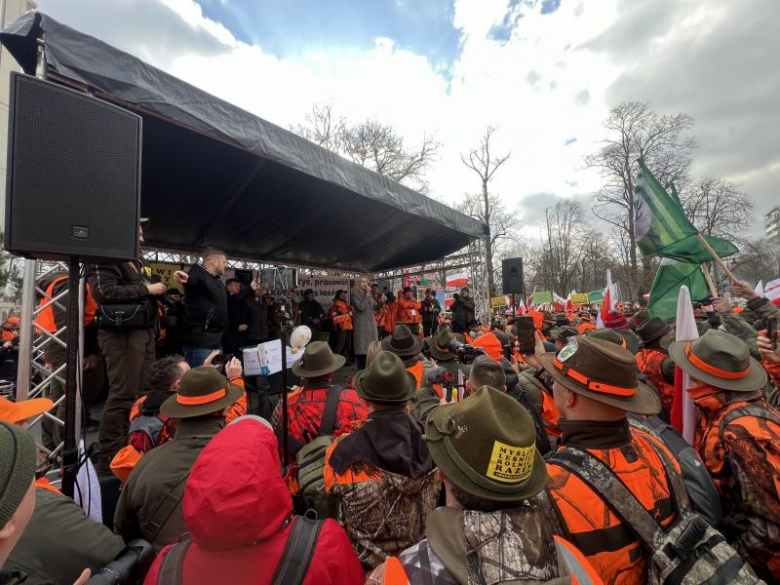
x: 512, y: 276
x: 74, y: 174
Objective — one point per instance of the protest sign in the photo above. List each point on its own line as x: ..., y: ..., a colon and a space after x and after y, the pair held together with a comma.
x: 165, y: 272
x: 324, y: 288
x: 579, y: 298
x: 497, y: 302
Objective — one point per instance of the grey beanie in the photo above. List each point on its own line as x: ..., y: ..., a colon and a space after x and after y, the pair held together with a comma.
x: 17, y: 468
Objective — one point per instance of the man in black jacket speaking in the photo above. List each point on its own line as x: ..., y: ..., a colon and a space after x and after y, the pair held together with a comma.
x: 205, y: 306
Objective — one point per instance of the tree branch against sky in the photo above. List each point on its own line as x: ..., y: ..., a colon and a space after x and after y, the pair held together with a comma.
x: 484, y: 205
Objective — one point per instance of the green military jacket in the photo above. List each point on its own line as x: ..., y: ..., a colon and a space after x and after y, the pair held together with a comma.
x: 150, y: 506
x: 60, y: 542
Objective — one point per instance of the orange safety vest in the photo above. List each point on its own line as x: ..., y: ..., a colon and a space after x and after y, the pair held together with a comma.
x: 417, y: 370
x: 45, y: 319
x: 592, y: 526
x: 650, y: 362
x: 409, y: 312
x: 341, y: 315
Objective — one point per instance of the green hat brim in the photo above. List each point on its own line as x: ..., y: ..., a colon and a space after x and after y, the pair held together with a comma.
x: 755, y: 380
x: 365, y: 394
x: 436, y: 353
x: 174, y: 409
x: 299, y: 370
x: 644, y: 400
x: 414, y: 350
x: 523, y: 490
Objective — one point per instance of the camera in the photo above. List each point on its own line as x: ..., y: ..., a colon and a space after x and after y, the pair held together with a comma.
x: 130, y: 566
x: 464, y: 352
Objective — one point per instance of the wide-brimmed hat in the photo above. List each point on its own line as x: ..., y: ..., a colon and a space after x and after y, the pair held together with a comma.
x: 402, y: 343
x: 719, y: 359
x: 16, y: 412
x: 625, y: 339
x: 652, y: 329
x: 563, y: 333
x: 486, y: 446
x: 203, y: 391
x: 318, y: 360
x: 385, y: 380
x: 561, y: 320
x: 601, y: 371
x: 439, y: 345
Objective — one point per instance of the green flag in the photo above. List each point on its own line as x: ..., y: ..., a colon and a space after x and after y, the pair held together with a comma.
x: 596, y: 296
x: 662, y: 229
x: 670, y: 277
x: 542, y: 297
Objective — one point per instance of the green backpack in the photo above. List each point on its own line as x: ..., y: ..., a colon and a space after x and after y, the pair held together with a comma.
x: 311, y: 462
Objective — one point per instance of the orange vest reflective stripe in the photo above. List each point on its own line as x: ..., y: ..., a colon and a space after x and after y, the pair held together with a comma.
x: 45, y: 319
x: 417, y: 370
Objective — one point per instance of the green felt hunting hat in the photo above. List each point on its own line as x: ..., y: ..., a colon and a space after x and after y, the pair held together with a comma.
x: 402, y: 342
x: 625, y: 339
x: 203, y: 391
x: 719, y: 359
x: 602, y: 371
x: 652, y: 329
x: 385, y: 380
x: 486, y: 445
x: 17, y: 468
x: 439, y: 345
x: 318, y: 360
x: 563, y: 333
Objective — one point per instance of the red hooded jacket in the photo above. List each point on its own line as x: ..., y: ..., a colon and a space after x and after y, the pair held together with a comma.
x: 235, y: 506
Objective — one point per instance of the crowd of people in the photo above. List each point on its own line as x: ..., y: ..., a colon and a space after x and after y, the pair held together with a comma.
x: 448, y: 456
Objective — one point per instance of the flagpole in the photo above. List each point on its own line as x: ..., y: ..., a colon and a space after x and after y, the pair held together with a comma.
x: 717, y: 258
x: 710, y: 283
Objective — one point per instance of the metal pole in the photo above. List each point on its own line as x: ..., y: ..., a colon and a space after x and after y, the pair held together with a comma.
x: 70, y: 449
x: 24, y: 367
x: 285, y: 429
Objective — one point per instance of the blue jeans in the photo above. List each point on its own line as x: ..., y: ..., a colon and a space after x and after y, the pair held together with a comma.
x: 195, y: 356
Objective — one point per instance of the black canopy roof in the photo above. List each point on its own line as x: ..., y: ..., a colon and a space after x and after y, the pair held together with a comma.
x: 214, y: 174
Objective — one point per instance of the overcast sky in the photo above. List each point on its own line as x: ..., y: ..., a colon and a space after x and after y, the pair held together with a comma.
x: 545, y: 72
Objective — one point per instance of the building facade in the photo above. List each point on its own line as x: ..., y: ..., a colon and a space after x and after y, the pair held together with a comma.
x: 772, y: 225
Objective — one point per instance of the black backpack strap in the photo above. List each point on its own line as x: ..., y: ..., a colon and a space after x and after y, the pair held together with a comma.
x: 612, y: 491
x: 165, y: 507
x: 329, y: 414
x: 298, y: 552
x: 748, y: 410
x: 172, y: 567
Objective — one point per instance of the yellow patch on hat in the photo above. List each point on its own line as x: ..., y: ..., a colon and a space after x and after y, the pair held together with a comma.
x: 510, y: 464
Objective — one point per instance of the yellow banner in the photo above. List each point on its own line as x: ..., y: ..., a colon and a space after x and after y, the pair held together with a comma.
x: 496, y: 302
x: 165, y: 272
x: 580, y: 299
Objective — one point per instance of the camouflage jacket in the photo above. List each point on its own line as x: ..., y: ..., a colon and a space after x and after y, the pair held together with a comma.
x: 382, y: 512
x: 736, y: 325
x: 466, y: 546
x: 743, y: 457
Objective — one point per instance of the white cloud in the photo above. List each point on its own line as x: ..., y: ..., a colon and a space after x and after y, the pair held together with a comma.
x: 547, y: 84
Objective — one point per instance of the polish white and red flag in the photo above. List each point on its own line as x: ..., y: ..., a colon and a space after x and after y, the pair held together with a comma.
x: 459, y: 279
